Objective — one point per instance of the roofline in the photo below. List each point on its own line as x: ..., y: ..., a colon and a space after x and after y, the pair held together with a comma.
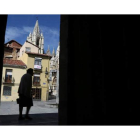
x: 15, y: 66
x: 12, y: 40
x: 38, y: 54
x: 32, y: 43
x: 24, y: 66
x: 15, y: 60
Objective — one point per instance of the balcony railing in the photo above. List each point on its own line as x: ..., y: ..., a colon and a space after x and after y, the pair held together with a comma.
x: 8, y: 80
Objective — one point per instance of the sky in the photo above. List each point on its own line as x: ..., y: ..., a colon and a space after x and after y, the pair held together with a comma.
x: 19, y: 26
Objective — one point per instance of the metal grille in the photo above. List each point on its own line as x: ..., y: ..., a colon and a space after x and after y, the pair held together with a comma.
x: 37, y: 95
x: 7, y: 91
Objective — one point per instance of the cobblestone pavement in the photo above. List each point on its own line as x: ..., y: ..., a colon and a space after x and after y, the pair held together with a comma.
x: 43, y: 113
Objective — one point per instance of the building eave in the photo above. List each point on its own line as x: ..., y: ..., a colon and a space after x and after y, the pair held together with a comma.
x: 44, y: 55
x: 14, y: 66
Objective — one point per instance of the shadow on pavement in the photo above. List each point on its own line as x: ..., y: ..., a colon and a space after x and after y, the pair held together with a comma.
x: 38, y: 119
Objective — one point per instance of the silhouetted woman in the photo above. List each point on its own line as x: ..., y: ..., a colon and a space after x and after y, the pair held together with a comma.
x: 25, y: 96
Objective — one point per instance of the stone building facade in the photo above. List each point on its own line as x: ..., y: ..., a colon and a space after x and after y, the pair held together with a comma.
x: 54, y: 72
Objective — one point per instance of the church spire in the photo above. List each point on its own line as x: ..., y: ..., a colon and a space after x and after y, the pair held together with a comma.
x: 37, y: 38
x: 53, y: 53
x: 48, y: 51
x: 36, y: 28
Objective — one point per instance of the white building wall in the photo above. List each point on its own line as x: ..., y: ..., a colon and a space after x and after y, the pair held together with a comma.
x: 34, y: 49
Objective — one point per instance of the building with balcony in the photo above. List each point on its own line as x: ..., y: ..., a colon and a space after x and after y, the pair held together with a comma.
x: 11, y: 76
x: 40, y: 63
x: 32, y: 54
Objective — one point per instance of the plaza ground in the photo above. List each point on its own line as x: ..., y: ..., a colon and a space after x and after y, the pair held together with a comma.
x: 43, y: 113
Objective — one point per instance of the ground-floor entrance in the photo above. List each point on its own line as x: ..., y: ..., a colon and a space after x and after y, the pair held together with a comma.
x: 37, y: 95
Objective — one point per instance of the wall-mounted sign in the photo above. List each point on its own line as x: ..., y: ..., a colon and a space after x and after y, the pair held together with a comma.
x: 44, y: 83
x: 37, y: 66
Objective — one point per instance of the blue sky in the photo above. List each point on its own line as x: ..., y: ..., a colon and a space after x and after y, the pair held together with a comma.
x: 19, y: 27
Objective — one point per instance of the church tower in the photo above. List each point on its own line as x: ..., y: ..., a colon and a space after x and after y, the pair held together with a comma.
x: 48, y: 51
x: 53, y: 53
x: 37, y: 38
x: 58, y: 50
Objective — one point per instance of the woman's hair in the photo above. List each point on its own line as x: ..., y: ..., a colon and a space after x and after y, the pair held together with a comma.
x: 30, y: 70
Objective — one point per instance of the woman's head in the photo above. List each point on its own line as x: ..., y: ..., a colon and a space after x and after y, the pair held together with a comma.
x: 30, y: 71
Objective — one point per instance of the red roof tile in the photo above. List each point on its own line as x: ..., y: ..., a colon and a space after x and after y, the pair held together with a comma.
x: 38, y: 54
x: 13, y: 62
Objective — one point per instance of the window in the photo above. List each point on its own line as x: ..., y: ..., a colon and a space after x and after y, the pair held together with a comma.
x: 38, y: 62
x: 8, y: 76
x: 7, y: 91
x: 28, y: 49
x: 36, y: 79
